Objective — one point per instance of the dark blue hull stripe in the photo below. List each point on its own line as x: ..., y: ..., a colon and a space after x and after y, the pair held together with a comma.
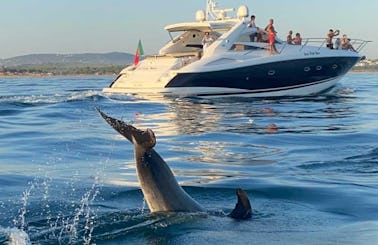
x: 263, y: 91
x: 269, y: 77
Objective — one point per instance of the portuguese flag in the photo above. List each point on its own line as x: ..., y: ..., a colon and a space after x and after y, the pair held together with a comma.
x: 139, y: 52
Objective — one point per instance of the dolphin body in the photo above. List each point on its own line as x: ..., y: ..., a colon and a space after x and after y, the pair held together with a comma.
x: 159, y: 186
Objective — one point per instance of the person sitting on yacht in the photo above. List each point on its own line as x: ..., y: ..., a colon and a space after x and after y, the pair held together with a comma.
x: 253, y: 28
x: 297, y: 39
x: 338, y: 43
x: 207, y: 40
x: 289, y: 38
x: 260, y: 38
x: 345, y: 43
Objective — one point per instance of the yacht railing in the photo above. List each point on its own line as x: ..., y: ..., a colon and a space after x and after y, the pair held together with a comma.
x: 358, y: 44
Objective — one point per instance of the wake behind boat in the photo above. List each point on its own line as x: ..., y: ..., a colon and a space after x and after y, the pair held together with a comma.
x: 235, y: 64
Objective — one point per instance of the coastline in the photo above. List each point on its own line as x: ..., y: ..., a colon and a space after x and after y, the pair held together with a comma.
x: 56, y: 70
x: 58, y: 76
x: 361, y: 72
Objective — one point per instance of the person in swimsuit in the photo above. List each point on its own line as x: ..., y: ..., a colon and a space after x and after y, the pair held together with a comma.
x: 289, y: 38
x: 345, y: 43
x: 271, y: 37
x: 331, y: 34
x: 298, y: 39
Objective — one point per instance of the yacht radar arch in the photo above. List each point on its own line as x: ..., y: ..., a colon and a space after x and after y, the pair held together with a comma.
x: 213, y: 13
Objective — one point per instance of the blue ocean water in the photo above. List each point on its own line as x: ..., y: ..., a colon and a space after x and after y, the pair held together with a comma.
x: 66, y: 177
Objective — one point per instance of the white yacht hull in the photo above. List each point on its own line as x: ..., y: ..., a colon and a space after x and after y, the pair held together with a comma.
x: 210, y: 92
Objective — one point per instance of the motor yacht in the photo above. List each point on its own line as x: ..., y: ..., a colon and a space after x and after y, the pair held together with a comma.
x: 235, y: 64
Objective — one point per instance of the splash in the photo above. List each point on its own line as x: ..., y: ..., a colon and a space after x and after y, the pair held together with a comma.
x: 55, y: 224
x: 20, y: 222
x: 14, y: 236
x: 84, y: 211
x: 50, y: 98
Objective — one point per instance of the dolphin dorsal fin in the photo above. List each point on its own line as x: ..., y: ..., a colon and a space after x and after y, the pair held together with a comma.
x: 243, y: 209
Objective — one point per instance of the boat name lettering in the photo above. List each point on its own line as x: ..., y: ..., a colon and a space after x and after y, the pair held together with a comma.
x: 309, y: 53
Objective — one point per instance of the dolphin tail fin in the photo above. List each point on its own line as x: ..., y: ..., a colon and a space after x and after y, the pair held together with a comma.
x: 145, y: 138
x: 243, y: 209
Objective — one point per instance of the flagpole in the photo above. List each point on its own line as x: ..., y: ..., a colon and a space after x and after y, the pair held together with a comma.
x: 139, y: 52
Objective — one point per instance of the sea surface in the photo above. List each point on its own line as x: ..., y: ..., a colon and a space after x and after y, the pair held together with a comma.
x: 309, y: 165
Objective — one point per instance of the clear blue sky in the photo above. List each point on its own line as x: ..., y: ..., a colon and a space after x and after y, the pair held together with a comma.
x: 76, y: 26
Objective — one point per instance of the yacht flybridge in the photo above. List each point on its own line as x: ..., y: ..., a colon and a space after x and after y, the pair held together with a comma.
x: 234, y: 65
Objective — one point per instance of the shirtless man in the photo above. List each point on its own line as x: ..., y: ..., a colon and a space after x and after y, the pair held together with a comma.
x: 289, y: 38
x: 345, y: 43
x: 271, y: 37
x: 331, y: 34
x: 298, y: 39
x: 270, y: 24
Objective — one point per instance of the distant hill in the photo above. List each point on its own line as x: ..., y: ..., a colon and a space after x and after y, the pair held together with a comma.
x: 85, y: 59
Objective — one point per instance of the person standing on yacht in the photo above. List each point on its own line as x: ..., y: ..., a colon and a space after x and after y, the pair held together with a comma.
x: 272, y: 40
x: 271, y: 37
x: 289, y: 38
x: 207, y: 40
x: 331, y: 34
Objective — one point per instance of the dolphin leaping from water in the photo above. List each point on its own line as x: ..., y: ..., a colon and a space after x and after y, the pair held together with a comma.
x: 159, y: 186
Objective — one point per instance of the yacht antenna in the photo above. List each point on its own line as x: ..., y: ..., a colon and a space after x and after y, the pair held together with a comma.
x: 213, y: 13
x: 209, y: 6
